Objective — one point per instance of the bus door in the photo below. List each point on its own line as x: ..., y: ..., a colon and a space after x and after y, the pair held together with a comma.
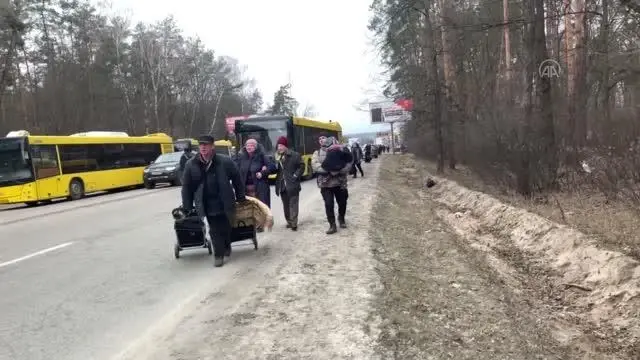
x: 47, y: 171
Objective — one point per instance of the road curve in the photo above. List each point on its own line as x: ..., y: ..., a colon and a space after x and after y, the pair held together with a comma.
x: 84, y: 282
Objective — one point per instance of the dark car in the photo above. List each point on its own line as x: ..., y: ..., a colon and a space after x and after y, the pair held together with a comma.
x: 163, y: 170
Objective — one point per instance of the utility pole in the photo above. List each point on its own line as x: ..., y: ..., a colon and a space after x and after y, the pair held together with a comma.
x: 393, y: 140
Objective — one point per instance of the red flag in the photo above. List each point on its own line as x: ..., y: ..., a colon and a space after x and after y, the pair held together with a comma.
x: 406, y: 104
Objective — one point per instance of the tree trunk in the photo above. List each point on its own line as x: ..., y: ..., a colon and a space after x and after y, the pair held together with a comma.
x: 432, y: 63
x: 451, y: 94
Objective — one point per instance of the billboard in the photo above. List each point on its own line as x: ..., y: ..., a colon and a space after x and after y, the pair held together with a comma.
x: 389, y: 111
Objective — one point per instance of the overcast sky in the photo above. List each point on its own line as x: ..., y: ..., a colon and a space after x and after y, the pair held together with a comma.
x: 324, y: 46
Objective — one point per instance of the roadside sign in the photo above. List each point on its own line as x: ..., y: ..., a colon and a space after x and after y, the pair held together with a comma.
x: 388, y: 112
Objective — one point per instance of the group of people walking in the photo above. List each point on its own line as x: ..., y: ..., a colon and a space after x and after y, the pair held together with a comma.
x: 213, y: 183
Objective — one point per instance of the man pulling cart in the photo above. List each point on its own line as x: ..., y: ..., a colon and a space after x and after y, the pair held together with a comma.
x: 211, y: 185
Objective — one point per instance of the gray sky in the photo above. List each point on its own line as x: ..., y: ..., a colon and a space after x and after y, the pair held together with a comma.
x: 323, y: 45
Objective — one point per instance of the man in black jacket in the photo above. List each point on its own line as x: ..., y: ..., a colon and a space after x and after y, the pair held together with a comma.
x: 356, y: 151
x: 290, y: 169
x: 186, y: 155
x: 207, y: 181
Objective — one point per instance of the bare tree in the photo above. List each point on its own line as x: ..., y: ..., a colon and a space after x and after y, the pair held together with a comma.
x: 472, y: 69
x: 68, y: 68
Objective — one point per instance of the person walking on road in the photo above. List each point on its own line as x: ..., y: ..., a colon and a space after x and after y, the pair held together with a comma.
x: 186, y: 155
x: 289, y: 171
x: 213, y: 183
x: 254, y: 167
x: 356, y: 151
x: 332, y: 184
x: 367, y: 153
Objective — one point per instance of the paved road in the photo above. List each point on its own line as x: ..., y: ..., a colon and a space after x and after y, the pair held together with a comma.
x: 84, y: 282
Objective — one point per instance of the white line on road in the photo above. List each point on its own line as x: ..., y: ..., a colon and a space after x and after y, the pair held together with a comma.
x: 41, y: 252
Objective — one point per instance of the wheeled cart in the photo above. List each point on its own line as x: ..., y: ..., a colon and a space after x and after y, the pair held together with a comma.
x: 191, y: 233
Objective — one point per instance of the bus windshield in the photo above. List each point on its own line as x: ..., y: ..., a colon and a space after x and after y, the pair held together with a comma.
x: 266, y: 132
x: 182, y: 144
x: 14, y: 164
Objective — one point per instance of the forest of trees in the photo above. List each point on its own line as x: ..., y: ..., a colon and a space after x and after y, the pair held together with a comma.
x: 68, y: 67
x: 472, y: 69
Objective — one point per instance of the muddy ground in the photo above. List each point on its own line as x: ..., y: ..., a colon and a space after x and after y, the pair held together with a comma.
x: 398, y: 284
x: 441, y: 300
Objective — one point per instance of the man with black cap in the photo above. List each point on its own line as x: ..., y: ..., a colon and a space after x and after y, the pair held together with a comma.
x: 207, y: 181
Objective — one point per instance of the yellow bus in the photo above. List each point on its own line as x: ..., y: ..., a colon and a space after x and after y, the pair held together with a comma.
x: 302, y: 134
x: 37, y: 169
x: 224, y: 147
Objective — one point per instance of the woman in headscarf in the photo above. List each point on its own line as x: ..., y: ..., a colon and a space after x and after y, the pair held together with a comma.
x: 255, y: 167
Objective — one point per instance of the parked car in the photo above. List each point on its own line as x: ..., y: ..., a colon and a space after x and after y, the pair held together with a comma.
x: 163, y: 170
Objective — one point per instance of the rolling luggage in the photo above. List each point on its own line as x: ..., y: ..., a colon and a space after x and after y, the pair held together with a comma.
x: 191, y: 233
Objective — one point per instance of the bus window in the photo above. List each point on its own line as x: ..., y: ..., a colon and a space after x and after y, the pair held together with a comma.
x: 266, y: 132
x: 80, y: 158
x: 45, y: 161
x: 14, y: 165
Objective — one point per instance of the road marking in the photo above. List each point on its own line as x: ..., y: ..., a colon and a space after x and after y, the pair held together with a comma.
x: 41, y: 252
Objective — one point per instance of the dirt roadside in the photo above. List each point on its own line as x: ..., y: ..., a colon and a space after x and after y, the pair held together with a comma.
x: 583, y: 296
x: 440, y: 298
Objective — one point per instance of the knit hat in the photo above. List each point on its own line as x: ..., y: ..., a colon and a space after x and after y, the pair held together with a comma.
x: 282, y: 140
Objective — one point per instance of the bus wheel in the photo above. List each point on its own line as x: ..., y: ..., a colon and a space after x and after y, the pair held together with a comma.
x: 76, y: 189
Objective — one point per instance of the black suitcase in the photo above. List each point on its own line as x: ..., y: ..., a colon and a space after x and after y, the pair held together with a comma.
x: 191, y: 232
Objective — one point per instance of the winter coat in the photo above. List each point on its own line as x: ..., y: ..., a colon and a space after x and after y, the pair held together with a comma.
x: 326, y: 178
x: 356, y: 151
x: 248, y: 166
x: 220, y: 177
x: 290, y: 170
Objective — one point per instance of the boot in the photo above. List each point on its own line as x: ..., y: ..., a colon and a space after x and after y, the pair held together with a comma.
x: 227, y: 252
x: 218, y: 262
x: 343, y: 224
x: 332, y: 229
